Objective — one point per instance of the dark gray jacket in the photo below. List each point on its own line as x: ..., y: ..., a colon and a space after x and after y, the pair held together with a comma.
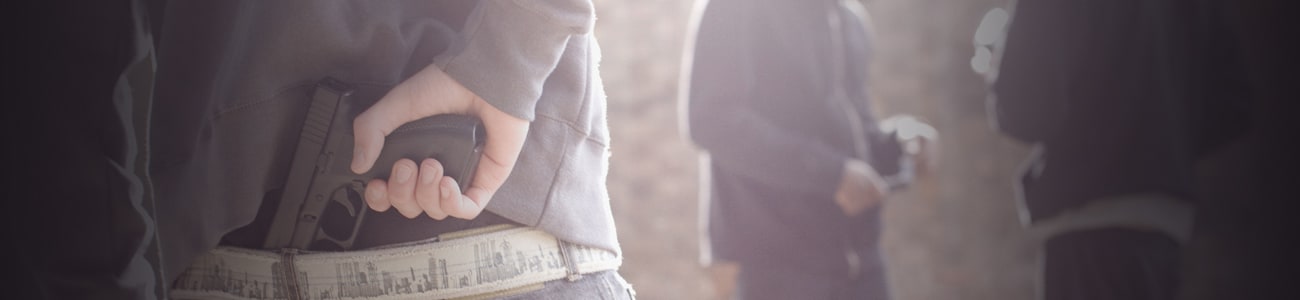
x: 232, y: 86
x: 764, y: 100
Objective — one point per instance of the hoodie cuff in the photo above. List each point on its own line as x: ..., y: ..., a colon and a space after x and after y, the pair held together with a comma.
x: 508, y: 48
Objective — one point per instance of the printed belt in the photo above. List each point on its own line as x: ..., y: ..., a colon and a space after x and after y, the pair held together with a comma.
x: 467, y: 264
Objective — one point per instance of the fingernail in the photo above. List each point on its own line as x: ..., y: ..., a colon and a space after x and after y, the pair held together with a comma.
x: 403, y: 173
x: 446, y: 190
x: 375, y: 194
x: 426, y: 175
x: 468, y: 202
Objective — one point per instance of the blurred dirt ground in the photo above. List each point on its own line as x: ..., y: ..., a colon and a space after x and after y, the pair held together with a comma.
x: 956, y: 236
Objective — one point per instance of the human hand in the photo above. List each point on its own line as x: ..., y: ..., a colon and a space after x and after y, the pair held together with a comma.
x: 920, y: 141
x: 860, y: 188
x: 420, y: 189
x: 723, y: 274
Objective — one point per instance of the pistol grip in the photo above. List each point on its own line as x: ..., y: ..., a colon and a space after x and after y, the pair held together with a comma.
x: 456, y: 141
x: 322, y: 163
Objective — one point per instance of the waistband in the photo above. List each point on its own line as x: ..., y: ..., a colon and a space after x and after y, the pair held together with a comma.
x: 469, y: 263
x: 1148, y: 212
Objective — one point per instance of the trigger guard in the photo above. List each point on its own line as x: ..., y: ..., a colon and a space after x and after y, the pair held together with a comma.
x: 355, y: 210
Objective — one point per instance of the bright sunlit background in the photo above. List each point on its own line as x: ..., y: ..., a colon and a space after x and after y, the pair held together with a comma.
x: 954, y: 237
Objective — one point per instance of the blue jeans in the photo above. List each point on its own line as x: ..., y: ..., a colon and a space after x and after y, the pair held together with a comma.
x: 607, y: 285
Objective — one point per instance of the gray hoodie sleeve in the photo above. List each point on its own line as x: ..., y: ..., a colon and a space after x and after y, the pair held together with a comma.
x: 508, y: 47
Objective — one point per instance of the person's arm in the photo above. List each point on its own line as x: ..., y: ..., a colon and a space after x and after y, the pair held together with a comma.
x: 495, y: 71
x: 900, y: 147
x: 508, y: 48
x: 723, y: 121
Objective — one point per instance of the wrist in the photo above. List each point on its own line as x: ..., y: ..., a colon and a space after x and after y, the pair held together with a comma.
x: 854, y: 171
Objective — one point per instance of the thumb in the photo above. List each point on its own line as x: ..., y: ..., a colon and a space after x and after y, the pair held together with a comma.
x: 505, y: 139
x: 373, y: 125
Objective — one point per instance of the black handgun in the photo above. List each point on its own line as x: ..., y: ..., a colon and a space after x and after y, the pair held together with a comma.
x: 320, y: 176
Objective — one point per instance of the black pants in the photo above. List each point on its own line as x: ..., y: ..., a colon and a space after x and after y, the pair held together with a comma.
x: 1111, y: 264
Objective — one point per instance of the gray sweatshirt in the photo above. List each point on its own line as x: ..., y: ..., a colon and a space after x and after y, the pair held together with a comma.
x: 233, y: 79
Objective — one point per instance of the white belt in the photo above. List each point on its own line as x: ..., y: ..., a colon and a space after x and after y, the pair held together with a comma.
x: 1150, y: 212
x: 459, y: 264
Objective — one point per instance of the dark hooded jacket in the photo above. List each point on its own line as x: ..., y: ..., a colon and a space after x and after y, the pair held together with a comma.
x: 777, y: 98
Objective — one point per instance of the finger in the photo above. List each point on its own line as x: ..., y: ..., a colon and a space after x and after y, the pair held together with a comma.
x: 852, y: 206
x: 401, y: 188
x: 455, y: 204
x: 376, y: 196
x: 877, y: 190
x: 429, y: 92
x: 505, y: 138
x: 844, y: 205
x: 372, y: 125
x: 427, y: 192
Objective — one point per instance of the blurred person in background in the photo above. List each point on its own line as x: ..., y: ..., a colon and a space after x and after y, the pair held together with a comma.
x: 1122, y: 101
x: 82, y: 227
x: 1243, y: 242
x: 796, y: 167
